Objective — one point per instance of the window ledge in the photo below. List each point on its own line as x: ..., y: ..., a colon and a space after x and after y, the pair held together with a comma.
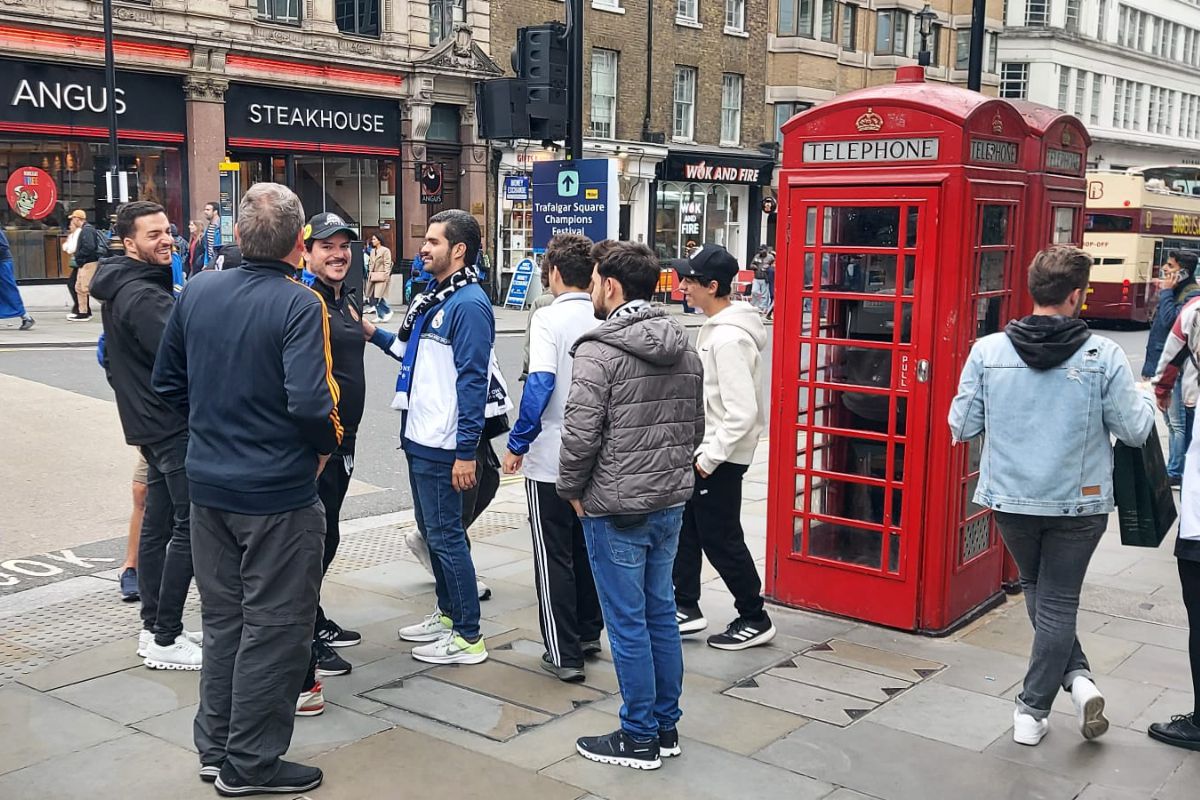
x: 682, y: 140
x: 802, y: 44
x: 725, y: 143
x: 610, y: 9
x: 740, y: 33
x: 688, y: 23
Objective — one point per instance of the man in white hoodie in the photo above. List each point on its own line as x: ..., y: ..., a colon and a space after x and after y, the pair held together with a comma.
x: 730, y: 345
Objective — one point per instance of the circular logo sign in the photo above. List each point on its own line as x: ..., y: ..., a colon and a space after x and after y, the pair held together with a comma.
x: 769, y: 205
x: 31, y: 192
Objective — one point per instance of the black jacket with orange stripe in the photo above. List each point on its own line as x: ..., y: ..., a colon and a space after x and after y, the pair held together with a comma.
x: 347, y: 344
x: 247, y: 353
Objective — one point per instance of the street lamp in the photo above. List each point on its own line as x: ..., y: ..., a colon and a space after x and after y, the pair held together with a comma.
x: 925, y: 18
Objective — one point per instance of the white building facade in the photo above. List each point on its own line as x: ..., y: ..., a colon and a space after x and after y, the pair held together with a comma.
x: 1129, y: 70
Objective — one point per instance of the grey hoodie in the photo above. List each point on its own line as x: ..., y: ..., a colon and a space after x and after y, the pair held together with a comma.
x: 634, y: 416
x: 730, y: 345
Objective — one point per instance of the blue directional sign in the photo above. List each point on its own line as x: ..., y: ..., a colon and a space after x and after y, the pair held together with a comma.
x: 575, y: 197
x: 518, y: 290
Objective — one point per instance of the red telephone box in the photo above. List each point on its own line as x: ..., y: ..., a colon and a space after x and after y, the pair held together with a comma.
x: 901, y: 214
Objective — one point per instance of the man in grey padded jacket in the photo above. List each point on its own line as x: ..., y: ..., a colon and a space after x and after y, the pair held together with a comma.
x: 634, y: 417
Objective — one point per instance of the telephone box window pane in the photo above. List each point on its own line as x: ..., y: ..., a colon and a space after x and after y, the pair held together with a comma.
x: 991, y: 271
x: 995, y: 225
x: 987, y: 316
x: 851, y: 410
x: 893, y: 552
x: 1064, y: 225
x: 855, y: 501
x: 856, y: 366
x: 906, y: 323
x: 910, y: 236
x: 901, y: 428
x: 801, y: 491
x: 969, y: 507
x: 815, y: 322
x: 910, y: 273
x: 808, y: 269
x: 974, y: 454
x: 798, y: 534
x: 810, y: 228
x: 872, y: 320
x: 861, y: 272
x: 848, y: 454
x: 845, y: 543
x: 874, y: 226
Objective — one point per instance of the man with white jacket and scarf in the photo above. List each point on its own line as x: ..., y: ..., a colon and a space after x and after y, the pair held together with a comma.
x: 730, y: 345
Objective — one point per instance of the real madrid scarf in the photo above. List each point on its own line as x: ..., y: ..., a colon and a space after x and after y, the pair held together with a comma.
x: 414, y: 322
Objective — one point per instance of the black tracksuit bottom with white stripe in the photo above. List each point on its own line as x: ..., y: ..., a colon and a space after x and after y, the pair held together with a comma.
x: 568, y: 607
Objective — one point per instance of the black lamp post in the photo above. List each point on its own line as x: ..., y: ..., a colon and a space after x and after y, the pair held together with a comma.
x: 925, y: 18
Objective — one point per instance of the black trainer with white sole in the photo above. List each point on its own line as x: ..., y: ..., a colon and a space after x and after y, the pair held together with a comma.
x: 289, y: 779
x: 691, y: 620
x: 329, y: 663
x: 209, y: 772
x: 668, y: 743
x: 335, y: 635
x: 744, y: 633
x: 621, y: 749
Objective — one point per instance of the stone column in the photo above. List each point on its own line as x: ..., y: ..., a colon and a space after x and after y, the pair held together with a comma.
x: 474, y: 162
x: 416, y: 127
x: 205, y: 105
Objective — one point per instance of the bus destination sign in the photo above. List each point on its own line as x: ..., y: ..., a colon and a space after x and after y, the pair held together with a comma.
x: 1171, y: 223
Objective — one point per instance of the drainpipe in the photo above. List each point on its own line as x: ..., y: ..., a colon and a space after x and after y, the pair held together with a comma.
x: 649, y: 67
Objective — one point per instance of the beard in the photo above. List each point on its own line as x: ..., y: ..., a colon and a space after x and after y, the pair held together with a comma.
x: 150, y: 257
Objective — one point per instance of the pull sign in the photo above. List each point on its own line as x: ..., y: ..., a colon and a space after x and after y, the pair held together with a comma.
x: 117, y: 184
x: 923, y: 371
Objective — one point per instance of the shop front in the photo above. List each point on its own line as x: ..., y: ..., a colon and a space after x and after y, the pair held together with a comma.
x: 710, y: 198
x: 339, y: 153
x: 54, y: 154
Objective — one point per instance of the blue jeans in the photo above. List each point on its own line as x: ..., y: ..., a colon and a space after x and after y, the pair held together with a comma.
x: 438, y: 509
x: 632, y: 558
x: 1177, y: 424
x: 382, y: 308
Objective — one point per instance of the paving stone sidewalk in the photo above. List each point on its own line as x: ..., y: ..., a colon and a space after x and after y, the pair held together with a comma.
x: 830, y: 709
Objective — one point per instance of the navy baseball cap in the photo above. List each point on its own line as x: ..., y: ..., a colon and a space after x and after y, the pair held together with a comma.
x: 324, y: 225
x: 710, y: 263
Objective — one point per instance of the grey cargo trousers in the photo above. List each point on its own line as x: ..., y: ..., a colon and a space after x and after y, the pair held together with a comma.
x: 259, y: 580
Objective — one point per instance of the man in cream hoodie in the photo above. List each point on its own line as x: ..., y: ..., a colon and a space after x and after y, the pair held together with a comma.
x: 730, y: 345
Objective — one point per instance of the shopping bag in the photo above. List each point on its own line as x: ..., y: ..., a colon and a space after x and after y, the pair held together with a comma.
x: 1145, y: 504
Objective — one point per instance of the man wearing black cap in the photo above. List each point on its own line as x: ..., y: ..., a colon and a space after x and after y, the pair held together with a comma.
x: 730, y: 345
x: 327, y: 256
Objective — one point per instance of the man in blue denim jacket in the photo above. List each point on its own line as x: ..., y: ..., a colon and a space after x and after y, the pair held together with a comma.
x: 1048, y: 396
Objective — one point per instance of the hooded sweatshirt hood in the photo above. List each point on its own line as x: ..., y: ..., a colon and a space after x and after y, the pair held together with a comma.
x: 649, y: 334
x: 745, y: 317
x: 114, y: 273
x: 1045, y: 342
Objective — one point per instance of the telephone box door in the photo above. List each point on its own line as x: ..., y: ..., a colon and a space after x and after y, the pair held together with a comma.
x: 851, y: 424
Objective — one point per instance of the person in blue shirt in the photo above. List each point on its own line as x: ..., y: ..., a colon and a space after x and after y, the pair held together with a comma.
x: 11, y: 304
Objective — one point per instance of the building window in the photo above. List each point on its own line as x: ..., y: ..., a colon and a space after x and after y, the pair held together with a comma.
x: 935, y: 44
x: 891, y: 32
x: 1080, y: 91
x: 1014, y: 80
x: 1064, y: 87
x: 286, y: 11
x: 360, y: 17
x: 849, y: 27
x: 828, y: 20
x: 687, y: 11
x: 1139, y: 107
x: 685, y: 103
x: 1072, y: 24
x: 1102, y: 20
x: 1037, y: 12
x: 796, y: 18
x: 784, y: 112
x: 962, y: 48
x: 1097, y: 84
x: 735, y: 15
x: 604, y: 93
x: 731, y: 109
x: 443, y: 15
x: 992, y: 41
x: 608, y: 4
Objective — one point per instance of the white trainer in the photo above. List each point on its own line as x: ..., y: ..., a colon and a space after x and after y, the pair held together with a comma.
x: 436, y: 626
x: 145, y: 639
x: 1089, y: 708
x: 485, y: 592
x: 181, y: 654
x: 195, y: 637
x: 1027, y: 730
x: 420, y: 550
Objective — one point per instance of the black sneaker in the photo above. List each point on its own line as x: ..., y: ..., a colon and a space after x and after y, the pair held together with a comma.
x: 621, y: 749
x: 1181, y: 731
x: 564, y: 674
x: 27, y: 323
x: 590, y: 648
x: 209, y: 772
x: 744, y: 633
x: 691, y: 620
x: 78, y: 317
x: 668, y: 743
x: 129, y: 585
x: 335, y: 635
x: 329, y: 662
x: 289, y: 779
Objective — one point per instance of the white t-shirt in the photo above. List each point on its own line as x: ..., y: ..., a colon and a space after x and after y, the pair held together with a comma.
x: 552, y: 333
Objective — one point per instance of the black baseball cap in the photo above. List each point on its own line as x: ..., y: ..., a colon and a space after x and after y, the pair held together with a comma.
x: 710, y: 263
x: 324, y: 225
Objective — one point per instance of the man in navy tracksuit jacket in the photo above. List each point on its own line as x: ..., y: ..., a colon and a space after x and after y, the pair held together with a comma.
x: 247, y: 352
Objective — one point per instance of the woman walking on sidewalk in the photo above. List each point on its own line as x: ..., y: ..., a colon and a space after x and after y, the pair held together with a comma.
x: 11, y: 304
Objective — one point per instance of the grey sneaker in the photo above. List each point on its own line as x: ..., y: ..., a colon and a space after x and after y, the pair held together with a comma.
x: 564, y: 674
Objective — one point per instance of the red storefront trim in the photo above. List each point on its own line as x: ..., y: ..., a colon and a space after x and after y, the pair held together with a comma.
x: 89, y: 132
x: 33, y: 40
x: 311, y: 147
x: 270, y: 67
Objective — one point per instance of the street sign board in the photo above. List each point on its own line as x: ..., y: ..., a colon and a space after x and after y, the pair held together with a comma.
x: 516, y: 187
x: 575, y: 197
x: 518, y: 290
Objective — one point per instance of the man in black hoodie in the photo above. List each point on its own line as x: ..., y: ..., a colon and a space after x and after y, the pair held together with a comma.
x: 136, y: 290
x: 247, y: 352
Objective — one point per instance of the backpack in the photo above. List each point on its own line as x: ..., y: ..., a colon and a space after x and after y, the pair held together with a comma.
x: 100, y: 243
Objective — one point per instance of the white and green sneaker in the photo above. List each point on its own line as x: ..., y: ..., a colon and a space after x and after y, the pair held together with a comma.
x: 452, y: 649
x: 430, y: 629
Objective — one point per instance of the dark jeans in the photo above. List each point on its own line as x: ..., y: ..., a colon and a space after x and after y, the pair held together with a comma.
x: 439, y: 511
x: 165, y: 547
x: 1189, y: 419
x: 712, y: 523
x: 568, y: 608
x: 71, y: 290
x: 1052, y: 554
x: 1189, y: 579
x: 631, y: 559
x: 331, y: 488
x: 259, y: 579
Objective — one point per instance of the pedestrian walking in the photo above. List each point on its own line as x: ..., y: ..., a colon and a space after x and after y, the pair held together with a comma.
x: 11, y: 304
x: 379, y: 279
x: 247, y: 353
x: 211, y: 241
x: 568, y: 608
x: 127, y: 581
x: 1048, y: 395
x: 1177, y: 358
x: 634, y: 418
x: 444, y: 387
x: 136, y: 289
x: 1183, y: 730
x: 90, y: 247
x: 730, y: 344
x: 760, y: 296
x: 769, y: 258
x: 1176, y: 286
x: 195, y: 249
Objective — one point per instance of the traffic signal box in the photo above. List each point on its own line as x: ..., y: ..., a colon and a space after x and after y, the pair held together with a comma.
x: 532, y: 105
x: 908, y: 216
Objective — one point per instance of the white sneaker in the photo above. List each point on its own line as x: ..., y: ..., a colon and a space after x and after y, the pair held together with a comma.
x: 1089, y: 708
x: 436, y: 626
x: 195, y: 637
x: 311, y: 703
x: 416, y: 543
x: 182, y: 654
x: 1027, y: 730
x: 485, y: 592
x: 451, y: 649
x: 145, y: 639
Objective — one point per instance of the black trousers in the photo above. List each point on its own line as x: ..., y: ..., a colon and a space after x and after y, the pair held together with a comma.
x: 165, y: 547
x: 331, y: 488
x: 1189, y: 577
x: 259, y: 579
x: 71, y: 290
x: 712, y: 524
x: 568, y: 608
